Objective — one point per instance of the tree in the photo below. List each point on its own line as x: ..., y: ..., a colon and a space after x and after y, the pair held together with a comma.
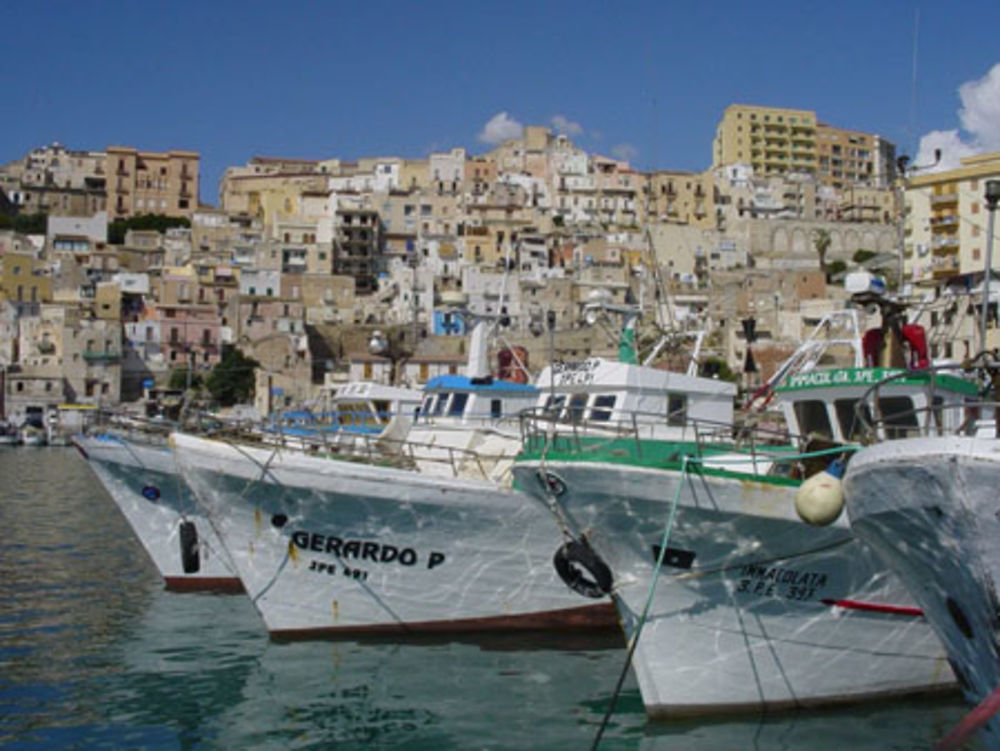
x: 158, y: 222
x: 26, y: 224
x: 821, y: 242
x: 179, y: 379
x: 232, y: 380
x: 717, y: 367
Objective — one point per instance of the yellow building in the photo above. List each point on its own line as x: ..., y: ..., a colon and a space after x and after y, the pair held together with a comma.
x: 773, y: 140
x: 781, y: 141
x: 681, y: 198
x: 946, y: 220
x: 148, y: 182
x: 25, y: 279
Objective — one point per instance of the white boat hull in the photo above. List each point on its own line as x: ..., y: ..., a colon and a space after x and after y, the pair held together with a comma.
x: 144, y: 484
x: 929, y: 507
x: 752, y: 608
x: 336, y: 547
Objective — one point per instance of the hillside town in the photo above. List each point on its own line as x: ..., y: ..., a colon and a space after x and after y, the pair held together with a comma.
x: 119, y: 280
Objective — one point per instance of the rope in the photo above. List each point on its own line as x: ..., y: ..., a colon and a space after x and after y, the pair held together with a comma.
x: 266, y: 471
x: 634, y: 641
x: 543, y: 477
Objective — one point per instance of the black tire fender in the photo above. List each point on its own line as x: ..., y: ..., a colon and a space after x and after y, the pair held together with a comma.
x: 582, y: 569
x: 190, y: 558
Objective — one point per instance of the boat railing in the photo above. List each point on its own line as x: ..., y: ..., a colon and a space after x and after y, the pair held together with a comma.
x: 880, y: 419
x: 376, y: 449
x: 541, y: 431
x: 128, y: 426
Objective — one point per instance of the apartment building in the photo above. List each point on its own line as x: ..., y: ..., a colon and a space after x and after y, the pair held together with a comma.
x: 680, y: 198
x: 850, y: 157
x: 773, y: 140
x: 783, y: 141
x: 946, y: 219
x: 149, y: 182
x: 57, y: 181
x: 357, y: 248
x: 25, y: 279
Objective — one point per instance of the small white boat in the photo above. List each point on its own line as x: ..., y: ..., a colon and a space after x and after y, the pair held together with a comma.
x: 9, y: 434
x: 32, y: 435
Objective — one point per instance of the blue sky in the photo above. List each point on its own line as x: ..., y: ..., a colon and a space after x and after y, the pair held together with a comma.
x: 351, y: 79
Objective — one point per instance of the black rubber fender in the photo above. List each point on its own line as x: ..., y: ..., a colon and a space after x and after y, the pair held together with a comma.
x: 582, y: 569
x: 190, y: 557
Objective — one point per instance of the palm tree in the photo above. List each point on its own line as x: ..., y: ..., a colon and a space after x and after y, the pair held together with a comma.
x: 821, y: 242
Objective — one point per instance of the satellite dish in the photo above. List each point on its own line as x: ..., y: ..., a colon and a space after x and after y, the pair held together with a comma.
x: 377, y: 345
x: 591, y: 315
x: 599, y: 295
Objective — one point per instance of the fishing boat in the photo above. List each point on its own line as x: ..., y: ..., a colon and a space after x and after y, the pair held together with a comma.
x: 138, y: 471
x: 9, y: 434
x: 417, y: 529
x: 736, y: 576
x: 32, y: 435
x: 927, y: 505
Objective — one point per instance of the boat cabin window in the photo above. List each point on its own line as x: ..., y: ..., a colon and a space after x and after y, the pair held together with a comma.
x: 496, y: 408
x: 457, y: 406
x: 554, y: 405
x: 383, y: 410
x: 577, y: 406
x: 898, y: 416
x: 435, y: 404
x: 851, y: 426
x: 603, y: 405
x: 677, y: 409
x: 355, y: 414
x: 425, y: 408
x: 813, y: 418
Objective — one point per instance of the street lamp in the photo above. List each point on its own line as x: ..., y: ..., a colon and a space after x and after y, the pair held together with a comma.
x: 992, y: 198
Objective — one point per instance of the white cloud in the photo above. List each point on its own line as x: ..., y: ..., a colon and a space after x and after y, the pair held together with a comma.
x: 952, y: 147
x: 625, y: 151
x: 979, y: 118
x: 499, y: 128
x: 563, y: 124
x: 980, y: 113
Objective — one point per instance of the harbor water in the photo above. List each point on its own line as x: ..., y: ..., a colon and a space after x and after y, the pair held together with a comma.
x: 95, y: 654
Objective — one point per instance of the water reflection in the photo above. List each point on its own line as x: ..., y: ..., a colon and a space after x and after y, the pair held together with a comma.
x: 94, y: 654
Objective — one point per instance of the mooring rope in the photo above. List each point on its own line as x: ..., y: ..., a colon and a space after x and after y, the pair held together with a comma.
x: 634, y: 641
x: 266, y: 471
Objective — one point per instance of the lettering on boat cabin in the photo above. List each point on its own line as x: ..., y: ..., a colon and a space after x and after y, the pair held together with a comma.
x: 575, y: 373
x: 360, y: 551
x: 843, y: 377
x: 778, y: 581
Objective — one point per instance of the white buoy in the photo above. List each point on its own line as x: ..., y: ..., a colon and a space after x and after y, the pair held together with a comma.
x: 820, y: 499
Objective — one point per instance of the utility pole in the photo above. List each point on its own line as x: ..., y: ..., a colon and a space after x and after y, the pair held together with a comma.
x: 992, y: 197
x: 903, y: 166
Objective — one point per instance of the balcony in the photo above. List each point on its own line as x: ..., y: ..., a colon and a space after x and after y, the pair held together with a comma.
x: 945, y: 245
x: 948, y: 221
x: 945, y: 199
